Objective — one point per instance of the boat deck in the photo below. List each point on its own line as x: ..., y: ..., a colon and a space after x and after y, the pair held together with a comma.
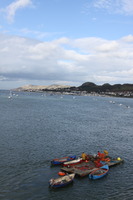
x: 114, y: 162
x: 81, y: 169
x: 85, y: 168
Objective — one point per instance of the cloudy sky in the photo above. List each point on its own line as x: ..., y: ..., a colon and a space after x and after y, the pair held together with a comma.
x: 69, y: 42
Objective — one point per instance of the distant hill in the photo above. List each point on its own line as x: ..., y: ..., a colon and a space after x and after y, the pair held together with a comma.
x: 92, y: 87
x: 41, y: 87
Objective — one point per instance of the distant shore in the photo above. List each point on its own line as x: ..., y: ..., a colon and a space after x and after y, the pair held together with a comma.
x: 86, y: 89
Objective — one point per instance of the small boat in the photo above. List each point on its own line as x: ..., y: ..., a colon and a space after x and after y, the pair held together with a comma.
x: 73, y: 162
x: 113, y: 162
x: 62, y: 181
x: 99, y: 172
x: 59, y: 161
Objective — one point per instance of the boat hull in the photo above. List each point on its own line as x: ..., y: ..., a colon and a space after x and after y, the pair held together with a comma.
x: 99, y: 172
x: 61, y: 185
x: 61, y: 182
x: 59, y: 161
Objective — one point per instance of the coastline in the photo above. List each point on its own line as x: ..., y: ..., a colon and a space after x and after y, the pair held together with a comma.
x: 86, y: 89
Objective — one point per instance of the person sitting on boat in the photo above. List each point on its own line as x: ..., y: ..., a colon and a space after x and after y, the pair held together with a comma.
x: 83, y: 156
x: 103, y: 156
x: 106, y: 153
x: 98, y: 154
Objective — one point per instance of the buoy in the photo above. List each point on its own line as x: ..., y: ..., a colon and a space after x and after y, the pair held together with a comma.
x: 61, y: 173
x: 118, y: 158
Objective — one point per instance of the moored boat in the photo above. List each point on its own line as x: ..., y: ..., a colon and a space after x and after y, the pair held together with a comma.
x: 99, y: 172
x: 59, y: 161
x: 113, y: 162
x: 62, y: 181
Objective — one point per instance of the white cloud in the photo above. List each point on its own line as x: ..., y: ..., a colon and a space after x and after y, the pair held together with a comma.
x: 116, y: 6
x: 103, y: 3
x: 2, y: 78
x: 127, y: 7
x: 12, y: 8
x: 66, y: 60
x: 128, y: 38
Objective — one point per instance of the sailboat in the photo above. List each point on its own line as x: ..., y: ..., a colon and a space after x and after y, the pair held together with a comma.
x: 10, y: 95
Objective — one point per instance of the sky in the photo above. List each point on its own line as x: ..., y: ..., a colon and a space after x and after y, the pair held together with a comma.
x: 67, y: 42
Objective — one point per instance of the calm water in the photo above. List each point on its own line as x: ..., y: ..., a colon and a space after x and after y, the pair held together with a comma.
x: 36, y: 128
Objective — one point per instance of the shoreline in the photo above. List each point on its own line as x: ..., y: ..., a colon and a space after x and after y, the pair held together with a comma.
x: 81, y: 93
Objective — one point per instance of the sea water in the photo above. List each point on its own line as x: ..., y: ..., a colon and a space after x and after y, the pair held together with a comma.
x: 38, y: 127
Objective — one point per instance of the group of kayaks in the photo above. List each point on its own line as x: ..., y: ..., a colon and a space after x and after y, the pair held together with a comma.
x: 71, y: 165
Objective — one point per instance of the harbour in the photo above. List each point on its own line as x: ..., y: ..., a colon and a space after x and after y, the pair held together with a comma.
x: 36, y: 129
